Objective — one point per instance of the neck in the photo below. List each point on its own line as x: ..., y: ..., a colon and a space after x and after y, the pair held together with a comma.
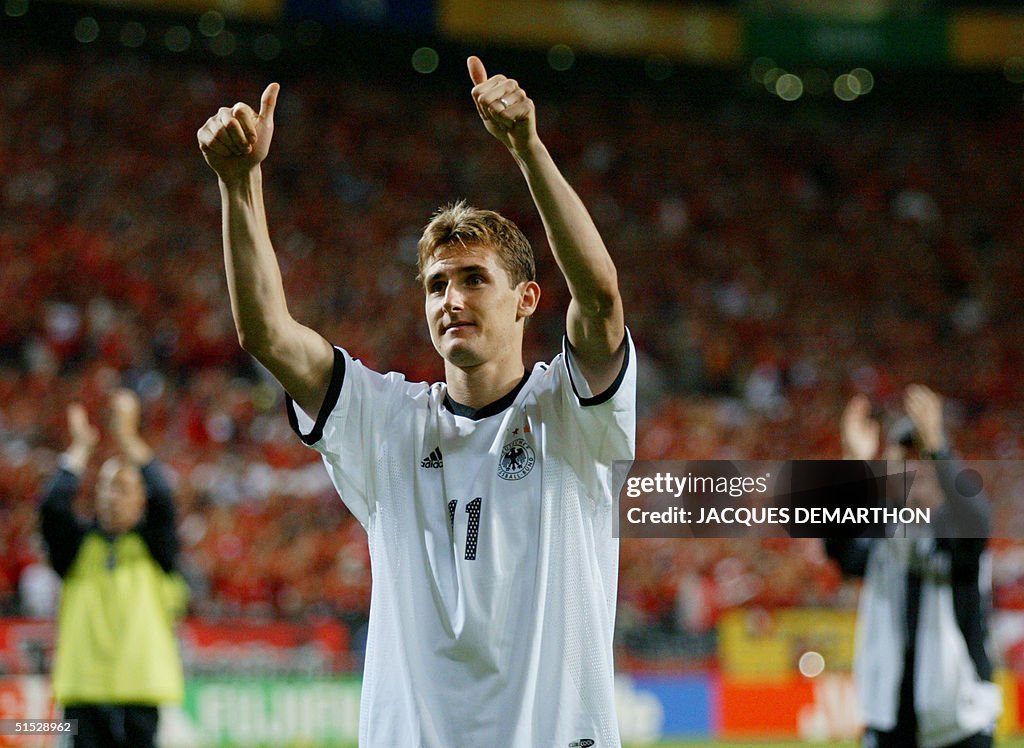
x: 477, y: 386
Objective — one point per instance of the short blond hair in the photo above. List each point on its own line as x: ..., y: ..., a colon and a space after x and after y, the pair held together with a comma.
x: 460, y: 224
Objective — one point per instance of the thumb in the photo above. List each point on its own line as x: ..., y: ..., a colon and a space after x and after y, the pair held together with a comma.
x: 268, y: 102
x: 477, y: 71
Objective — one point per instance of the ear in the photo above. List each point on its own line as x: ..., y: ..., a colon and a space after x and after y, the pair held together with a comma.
x: 529, y: 297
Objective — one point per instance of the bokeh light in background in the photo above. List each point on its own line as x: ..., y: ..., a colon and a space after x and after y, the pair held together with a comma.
x: 178, y: 39
x: 211, y: 23
x: 133, y: 34
x: 425, y: 60
x: 789, y: 87
x: 811, y: 664
x: 561, y: 57
x: 759, y: 68
x: 266, y: 47
x: 87, y: 30
x: 865, y: 81
x: 16, y: 8
x: 846, y: 87
x: 1013, y: 69
x: 224, y: 44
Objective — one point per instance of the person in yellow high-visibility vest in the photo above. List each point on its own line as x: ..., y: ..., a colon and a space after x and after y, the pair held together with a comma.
x: 117, y: 656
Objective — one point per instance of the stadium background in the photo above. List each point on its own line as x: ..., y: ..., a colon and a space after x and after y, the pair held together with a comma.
x: 805, y: 200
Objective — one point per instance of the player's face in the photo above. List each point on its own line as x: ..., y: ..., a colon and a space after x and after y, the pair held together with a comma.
x: 474, y: 314
x: 120, y: 498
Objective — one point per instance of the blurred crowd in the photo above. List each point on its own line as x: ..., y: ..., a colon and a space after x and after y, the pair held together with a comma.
x: 772, y: 264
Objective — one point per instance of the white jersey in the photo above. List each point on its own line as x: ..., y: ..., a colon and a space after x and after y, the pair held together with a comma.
x: 494, y: 564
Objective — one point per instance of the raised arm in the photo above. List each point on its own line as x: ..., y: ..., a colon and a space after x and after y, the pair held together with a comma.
x: 62, y: 530
x: 234, y: 142
x: 158, y: 528
x: 594, y: 321
x: 125, y: 415
x: 960, y: 516
x: 859, y: 433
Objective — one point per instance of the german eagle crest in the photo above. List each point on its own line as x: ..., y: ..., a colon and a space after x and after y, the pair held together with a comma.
x: 517, y: 459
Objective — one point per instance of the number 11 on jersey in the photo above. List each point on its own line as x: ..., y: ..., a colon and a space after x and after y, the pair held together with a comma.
x: 473, y: 530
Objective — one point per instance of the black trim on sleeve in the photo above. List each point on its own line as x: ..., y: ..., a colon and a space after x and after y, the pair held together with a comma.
x: 609, y: 393
x: 330, y: 400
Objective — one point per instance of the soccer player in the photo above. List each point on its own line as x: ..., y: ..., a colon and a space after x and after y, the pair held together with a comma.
x: 923, y: 676
x: 117, y: 657
x: 487, y: 498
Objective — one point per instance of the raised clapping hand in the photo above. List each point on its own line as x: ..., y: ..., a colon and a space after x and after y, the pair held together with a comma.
x: 508, y: 113
x: 84, y: 438
x: 124, y: 425
x: 235, y: 141
x: 860, y: 433
x: 925, y: 409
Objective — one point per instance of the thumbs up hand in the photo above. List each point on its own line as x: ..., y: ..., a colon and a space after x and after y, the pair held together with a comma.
x: 507, y: 112
x: 235, y: 140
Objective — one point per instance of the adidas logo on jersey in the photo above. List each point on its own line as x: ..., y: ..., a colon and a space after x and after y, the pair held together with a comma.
x: 433, y: 460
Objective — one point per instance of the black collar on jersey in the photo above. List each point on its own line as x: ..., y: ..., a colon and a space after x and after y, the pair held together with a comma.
x: 488, y: 410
